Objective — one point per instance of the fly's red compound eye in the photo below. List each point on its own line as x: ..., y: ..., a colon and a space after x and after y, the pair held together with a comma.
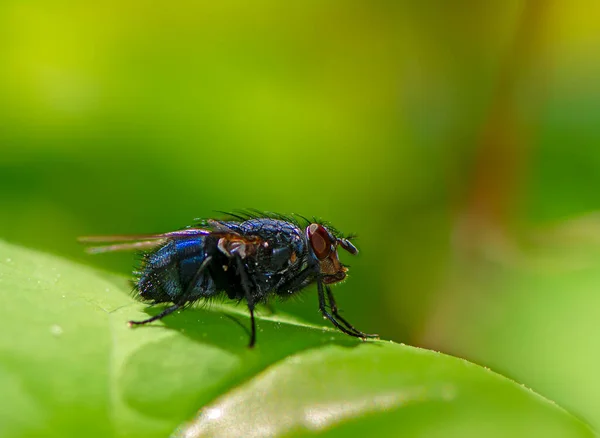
x: 319, y: 240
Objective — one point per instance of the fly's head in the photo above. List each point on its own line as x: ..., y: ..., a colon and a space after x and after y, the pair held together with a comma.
x: 323, y: 245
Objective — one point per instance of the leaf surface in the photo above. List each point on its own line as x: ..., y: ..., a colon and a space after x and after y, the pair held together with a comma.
x: 70, y: 366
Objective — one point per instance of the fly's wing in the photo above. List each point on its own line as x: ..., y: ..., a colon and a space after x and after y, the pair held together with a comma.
x: 222, y: 226
x: 138, y: 241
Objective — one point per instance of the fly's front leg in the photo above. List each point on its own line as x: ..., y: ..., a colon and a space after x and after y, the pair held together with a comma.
x: 295, y: 283
x: 334, y: 311
x: 329, y: 316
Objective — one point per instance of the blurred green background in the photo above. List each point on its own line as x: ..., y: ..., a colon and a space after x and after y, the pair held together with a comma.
x: 459, y: 140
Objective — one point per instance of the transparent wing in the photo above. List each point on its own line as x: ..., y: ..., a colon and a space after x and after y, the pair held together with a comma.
x: 129, y: 242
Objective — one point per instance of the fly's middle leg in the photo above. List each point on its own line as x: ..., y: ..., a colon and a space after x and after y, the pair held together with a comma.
x: 247, y: 286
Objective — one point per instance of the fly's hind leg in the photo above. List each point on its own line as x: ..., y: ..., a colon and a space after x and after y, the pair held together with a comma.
x: 181, y: 303
x: 161, y: 315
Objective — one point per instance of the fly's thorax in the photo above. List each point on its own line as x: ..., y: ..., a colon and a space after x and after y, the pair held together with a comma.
x: 231, y: 244
x: 280, y: 245
x: 278, y: 258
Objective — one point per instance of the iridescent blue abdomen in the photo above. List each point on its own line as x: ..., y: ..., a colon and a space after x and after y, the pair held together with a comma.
x: 166, y: 273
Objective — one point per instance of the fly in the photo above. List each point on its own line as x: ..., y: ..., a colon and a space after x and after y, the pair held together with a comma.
x: 248, y: 256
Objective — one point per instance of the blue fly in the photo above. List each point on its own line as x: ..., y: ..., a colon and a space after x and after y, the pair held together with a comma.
x: 247, y: 256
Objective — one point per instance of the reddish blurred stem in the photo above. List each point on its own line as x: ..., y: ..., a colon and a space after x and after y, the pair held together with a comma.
x: 499, y: 162
x: 502, y: 149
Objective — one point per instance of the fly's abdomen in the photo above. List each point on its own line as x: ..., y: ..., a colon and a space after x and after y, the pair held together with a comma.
x: 166, y: 274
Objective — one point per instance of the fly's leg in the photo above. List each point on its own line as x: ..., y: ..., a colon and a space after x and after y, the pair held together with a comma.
x: 197, y: 276
x: 326, y: 314
x: 334, y: 311
x: 296, y: 283
x: 182, y: 302
x: 253, y: 327
x: 161, y: 315
x: 247, y: 286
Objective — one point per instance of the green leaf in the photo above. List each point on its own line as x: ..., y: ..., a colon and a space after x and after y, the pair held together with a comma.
x: 70, y: 366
